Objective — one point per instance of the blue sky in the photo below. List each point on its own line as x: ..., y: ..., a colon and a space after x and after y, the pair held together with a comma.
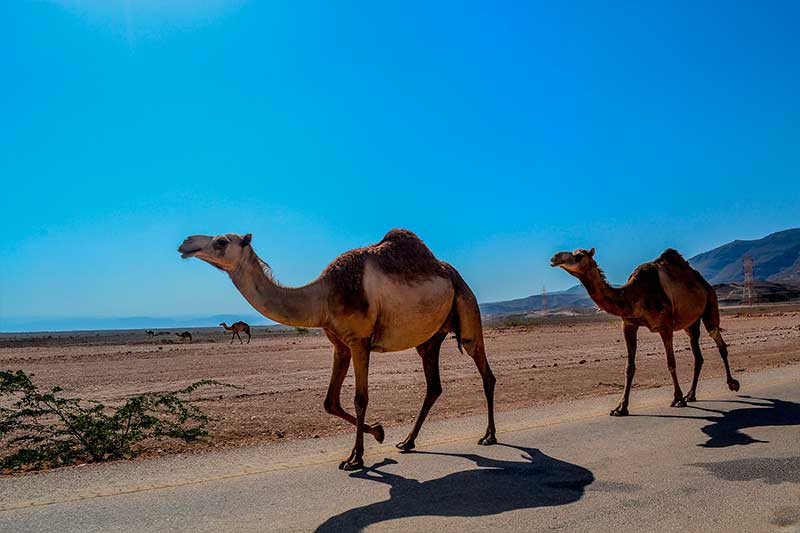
x: 499, y: 132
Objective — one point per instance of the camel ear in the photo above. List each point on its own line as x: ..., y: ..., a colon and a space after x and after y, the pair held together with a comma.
x: 247, y: 238
x: 591, y: 252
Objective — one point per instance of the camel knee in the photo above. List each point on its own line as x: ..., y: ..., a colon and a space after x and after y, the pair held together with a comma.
x: 630, y: 370
x: 434, y: 391
x: 331, y: 406
x: 362, y: 399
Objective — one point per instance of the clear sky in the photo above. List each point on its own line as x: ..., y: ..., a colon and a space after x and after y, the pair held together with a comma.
x: 499, y: 132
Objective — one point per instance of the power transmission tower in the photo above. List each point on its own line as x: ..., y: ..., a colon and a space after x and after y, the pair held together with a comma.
x: 747, y: 294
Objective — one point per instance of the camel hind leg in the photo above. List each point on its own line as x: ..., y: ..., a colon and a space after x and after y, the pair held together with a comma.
x: 429, y: 352
x: 711, y: 323
x: 470, y: 333
x: 694, y: 340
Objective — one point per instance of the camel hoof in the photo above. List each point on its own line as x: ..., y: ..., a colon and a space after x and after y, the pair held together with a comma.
x: 406, y: 445
x: 619, y: 411
x: 733, y: 385
x: 678, y: 402
x: 379, y: 434
x: 488, y: 440
x: 690, y: 398
x: 351, y: 465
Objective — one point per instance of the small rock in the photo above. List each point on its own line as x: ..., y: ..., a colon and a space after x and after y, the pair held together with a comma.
x: 582, y: 362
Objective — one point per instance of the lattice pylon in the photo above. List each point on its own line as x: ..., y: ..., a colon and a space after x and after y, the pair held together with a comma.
x: 747, y: 293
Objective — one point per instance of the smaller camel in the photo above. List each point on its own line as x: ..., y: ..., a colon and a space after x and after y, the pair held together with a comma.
x: 150, y: 333
x: 664, y: 295
x: 185, y: 336
x: 237, y: 327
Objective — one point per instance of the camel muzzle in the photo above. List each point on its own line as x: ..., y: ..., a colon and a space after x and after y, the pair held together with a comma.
x: 189, y: 247
x: 558, y: 259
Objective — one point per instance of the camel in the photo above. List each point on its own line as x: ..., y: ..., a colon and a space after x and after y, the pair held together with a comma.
x: 386, y: 297
x: 235, y: 328
x: 664, y: 295
x: 184, y: 336
x: 150, y: 333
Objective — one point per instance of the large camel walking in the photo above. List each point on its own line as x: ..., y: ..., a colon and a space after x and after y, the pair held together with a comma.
x: 664, y: 295
x: 386, y: 297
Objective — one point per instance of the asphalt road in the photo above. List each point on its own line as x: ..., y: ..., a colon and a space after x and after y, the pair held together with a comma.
x: 730, y: 462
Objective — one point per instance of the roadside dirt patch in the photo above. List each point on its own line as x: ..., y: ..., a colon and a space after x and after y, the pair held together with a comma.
x: 285, y: 375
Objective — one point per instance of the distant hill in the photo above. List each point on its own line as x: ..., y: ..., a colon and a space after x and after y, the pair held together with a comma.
x: 776, y: 257
x: 572, y: 298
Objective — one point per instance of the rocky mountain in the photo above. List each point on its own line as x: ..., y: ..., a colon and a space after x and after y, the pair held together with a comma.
x: 776, y: 258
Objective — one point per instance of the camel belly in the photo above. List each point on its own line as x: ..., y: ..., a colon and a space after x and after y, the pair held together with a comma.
x: 408, y: 313
x: 688, y: 300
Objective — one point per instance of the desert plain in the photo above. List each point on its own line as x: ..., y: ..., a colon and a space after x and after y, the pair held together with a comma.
x: 283, y: 374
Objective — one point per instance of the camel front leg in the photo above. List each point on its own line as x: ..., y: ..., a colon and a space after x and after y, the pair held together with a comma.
x: 629, y: 331
x: 678, y: 401
x: 360, y: 353
x: 332, y: 405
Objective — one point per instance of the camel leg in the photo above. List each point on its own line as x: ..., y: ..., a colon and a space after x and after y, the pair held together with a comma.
x: 239, y: 337
x: 476, y: 350
x: 333, y: 406
x: 711, y: 322
x: 248, y: 336
x: 233, y: 336
x: 666, y: 338
x: 629, y: 331
x: 430, y: 363
x: 359, y: 351
x: 694, y: 341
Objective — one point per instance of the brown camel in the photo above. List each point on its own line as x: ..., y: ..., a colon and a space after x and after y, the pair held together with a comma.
x: 664, y: 295
x: 386, y: 297
x: 185, y: 336
x: 150, y: 333
x: 237, y: 327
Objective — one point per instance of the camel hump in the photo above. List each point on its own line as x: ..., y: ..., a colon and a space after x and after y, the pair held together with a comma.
x: 671, y: 254
x: 402, y: 253
x: 401, y: 235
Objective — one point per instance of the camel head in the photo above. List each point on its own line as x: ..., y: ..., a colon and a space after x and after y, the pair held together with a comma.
x: 223, y: 251
x: 576, y: 263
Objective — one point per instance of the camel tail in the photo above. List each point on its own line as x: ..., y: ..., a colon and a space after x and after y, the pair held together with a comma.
x: 466, y: 314
x: 711, y: 313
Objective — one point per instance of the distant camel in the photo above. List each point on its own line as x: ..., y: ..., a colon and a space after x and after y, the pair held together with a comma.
x: 386, y: 297
x: 664, y: 295
x: 236, y: 327
x: 185, y: 335
x: 150, y: 333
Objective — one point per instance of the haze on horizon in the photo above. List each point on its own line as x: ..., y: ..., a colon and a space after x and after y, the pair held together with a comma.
x: 500, y: 134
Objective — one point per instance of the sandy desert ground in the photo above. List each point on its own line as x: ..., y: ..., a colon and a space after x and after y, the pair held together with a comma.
x: 284, y: 375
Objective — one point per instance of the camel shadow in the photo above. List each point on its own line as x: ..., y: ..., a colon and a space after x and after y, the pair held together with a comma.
x: 726, y: 429
x: 495, y: 487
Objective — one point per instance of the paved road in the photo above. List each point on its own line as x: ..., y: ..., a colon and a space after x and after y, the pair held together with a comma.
x: 727, y: 463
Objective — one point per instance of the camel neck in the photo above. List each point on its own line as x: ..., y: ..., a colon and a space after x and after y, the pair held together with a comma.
x: 293, y: 306
x: 608, y: 298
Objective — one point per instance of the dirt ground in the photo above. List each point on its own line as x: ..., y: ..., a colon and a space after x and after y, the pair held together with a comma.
x: 285, y: 375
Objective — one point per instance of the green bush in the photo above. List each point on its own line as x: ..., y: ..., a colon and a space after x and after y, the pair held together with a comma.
x: 44, y: 429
